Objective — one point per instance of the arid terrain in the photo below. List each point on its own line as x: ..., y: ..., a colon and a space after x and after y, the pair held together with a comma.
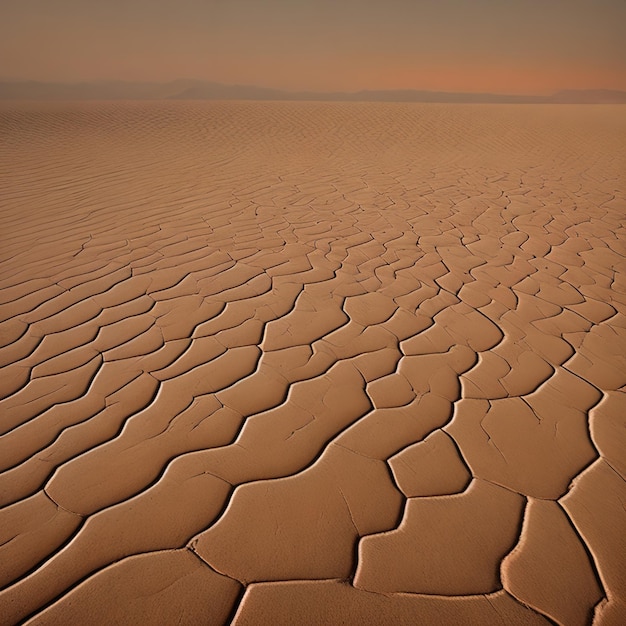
x: 312, y: 363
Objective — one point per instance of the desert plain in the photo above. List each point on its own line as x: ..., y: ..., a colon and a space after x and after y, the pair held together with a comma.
x: 312, y: 363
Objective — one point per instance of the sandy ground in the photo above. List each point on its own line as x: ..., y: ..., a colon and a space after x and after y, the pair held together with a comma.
x: 307, y: 363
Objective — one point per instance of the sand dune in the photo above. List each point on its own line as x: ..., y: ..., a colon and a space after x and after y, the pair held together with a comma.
x: 312, y: 363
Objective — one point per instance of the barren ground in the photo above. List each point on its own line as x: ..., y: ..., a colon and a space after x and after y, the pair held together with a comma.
x: 312, y: 363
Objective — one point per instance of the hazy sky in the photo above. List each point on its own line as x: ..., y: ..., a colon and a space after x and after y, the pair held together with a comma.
x: 507, y: 46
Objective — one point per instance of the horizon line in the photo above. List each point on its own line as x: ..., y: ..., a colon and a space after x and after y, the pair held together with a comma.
x: 209, y: 81
x: 204, y: 89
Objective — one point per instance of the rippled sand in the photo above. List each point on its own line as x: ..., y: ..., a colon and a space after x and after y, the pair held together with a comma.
x: 307, y: 363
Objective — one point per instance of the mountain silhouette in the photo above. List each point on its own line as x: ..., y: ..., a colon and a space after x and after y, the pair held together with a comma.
x: 190, y: 89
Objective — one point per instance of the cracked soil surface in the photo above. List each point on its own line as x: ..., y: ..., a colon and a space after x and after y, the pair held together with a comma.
x: 312, y: 363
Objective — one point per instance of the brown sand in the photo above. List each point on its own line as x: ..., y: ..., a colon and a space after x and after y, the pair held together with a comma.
x: 306, y: 363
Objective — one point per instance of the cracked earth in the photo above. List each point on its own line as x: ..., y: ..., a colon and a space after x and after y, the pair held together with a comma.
x: 309, y: 363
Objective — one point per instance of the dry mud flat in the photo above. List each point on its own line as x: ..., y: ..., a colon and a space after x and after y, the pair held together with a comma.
x: 307, y: 363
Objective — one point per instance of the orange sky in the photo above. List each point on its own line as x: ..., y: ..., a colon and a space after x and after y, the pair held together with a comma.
x: 505, y: 46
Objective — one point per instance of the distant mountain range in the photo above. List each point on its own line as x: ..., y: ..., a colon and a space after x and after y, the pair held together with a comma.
x: 204, y: 90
